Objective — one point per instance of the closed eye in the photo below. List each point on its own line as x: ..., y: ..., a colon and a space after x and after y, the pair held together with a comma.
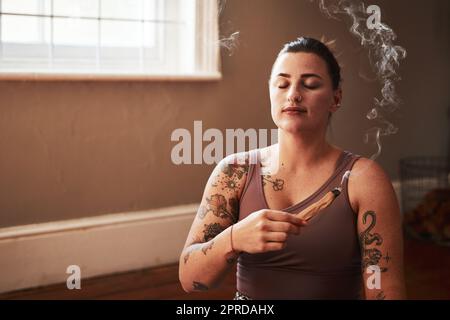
x: 311, y: 86
x: 283, y: 86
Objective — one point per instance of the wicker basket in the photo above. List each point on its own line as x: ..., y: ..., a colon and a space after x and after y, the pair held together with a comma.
x: 426, y: 198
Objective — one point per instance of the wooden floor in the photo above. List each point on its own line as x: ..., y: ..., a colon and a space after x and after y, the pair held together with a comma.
x: 427, y: 272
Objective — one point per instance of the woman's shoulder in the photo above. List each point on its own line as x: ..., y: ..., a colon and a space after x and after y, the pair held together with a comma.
x: 368, y: 181
x: 232, y: 171
x: 235, y: 160
x: 248, y: 158
x: 365, y: 169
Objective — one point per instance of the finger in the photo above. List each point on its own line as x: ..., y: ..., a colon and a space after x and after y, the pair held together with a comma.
x: 280, y: 226
x: 275, y: 237
x: 295, y: 219
x: 276, y: 215
x: 274, y: 246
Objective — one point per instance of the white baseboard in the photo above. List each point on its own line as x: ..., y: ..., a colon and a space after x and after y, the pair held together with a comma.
x: 38, y: 255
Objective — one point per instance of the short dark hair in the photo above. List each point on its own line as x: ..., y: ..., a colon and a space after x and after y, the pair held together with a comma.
x: 311, y: 45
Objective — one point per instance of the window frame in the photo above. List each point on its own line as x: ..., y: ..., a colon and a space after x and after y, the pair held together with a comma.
x: 206, y: 57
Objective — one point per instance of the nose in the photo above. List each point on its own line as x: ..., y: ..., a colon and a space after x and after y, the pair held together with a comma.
x: 294, y: 95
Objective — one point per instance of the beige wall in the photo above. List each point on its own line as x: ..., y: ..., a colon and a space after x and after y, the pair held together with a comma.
x: 78, y: 149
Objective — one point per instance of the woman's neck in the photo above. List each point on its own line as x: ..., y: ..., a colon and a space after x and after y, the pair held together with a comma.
x: 298, y: 152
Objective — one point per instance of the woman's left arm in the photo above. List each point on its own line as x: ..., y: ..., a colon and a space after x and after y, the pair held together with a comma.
x: 379, y: 231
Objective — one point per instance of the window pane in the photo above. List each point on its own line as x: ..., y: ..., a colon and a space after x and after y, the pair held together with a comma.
x: 151, y: 10
x: 126, y: 9
x: 150, y: 34
x: 66, y: 57
x: 78, y: 32
x: 108, y: 36
x: 78, y: 8
x: 22, y: 6
x: 171, y: 9
x: 121, y: 34
x: 24, y: 29
x: 23, y: 53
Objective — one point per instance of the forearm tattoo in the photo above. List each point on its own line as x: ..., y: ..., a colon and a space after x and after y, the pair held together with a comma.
x: 204, y: 247
x: 371, y: 255
x: 277, y: 184
x: 207, y: 246
x: 211, y: 231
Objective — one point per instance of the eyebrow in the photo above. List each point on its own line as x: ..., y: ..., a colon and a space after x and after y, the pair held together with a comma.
x: 305, y: 75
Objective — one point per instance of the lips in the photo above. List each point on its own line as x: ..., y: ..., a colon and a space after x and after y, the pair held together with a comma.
x: 294, y: 109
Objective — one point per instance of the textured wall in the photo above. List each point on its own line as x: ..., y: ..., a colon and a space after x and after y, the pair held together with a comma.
x: 78, y: 149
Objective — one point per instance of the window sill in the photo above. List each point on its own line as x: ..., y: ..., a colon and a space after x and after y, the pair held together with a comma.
x: 19, y: 76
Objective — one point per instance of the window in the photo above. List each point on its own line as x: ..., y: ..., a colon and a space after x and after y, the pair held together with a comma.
x: 119, y: 38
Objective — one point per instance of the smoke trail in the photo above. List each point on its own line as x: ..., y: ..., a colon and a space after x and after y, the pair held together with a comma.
x: 384, y: 58
x: 229, y: 43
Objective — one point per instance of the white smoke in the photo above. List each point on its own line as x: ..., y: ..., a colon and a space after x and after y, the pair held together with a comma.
x: 384, y: 57
x: 228, y: 43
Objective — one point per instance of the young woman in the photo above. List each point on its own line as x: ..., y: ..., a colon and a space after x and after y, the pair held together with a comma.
x: 351, y: 250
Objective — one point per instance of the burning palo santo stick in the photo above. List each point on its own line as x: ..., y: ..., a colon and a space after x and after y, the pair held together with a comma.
x: 324, y: 202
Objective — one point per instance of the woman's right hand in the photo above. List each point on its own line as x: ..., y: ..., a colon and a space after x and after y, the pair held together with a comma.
x: 265, y: 230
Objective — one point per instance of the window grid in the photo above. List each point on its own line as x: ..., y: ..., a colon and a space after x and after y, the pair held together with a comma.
x: 51, y: 45
x: 1, y: 23
x: 165, y: 21
x: 146, y: 56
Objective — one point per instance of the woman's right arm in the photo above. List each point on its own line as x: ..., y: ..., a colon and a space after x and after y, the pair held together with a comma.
x: 208, y: 253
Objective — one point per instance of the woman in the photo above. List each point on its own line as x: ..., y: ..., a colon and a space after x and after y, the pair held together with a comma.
x: 350, y: 250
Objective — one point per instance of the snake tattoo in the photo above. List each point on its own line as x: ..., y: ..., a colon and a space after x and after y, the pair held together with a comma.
x: 372, y: 256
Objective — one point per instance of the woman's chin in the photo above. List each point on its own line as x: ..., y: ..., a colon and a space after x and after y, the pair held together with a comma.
x: 291, y: 126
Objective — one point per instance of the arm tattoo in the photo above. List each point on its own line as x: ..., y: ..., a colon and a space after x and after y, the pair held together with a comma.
x: 198, y: 286
x: 186, y: 256
x: 190, y: 249
x: 370, y: 256
x: 235, y: 169
x: 277, y: 184
x: 230, y: 181
x: 207, y: 246
x: 198, y: 246
x: 202, y: 211
x: 217, y: 204
x: 212, y: 230
x: 233, y: 173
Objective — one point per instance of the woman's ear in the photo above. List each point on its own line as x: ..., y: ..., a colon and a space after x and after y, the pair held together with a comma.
x: 337, y: 99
